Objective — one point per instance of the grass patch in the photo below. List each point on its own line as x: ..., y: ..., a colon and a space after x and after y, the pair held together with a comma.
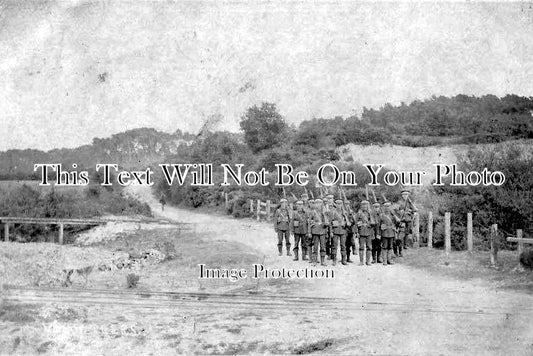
x: 468, y: 266
x: 18, y: 313
x: 314, y: 347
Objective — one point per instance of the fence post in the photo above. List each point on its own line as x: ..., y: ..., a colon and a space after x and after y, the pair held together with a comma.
x: 493, y: 245
x: 520, y: 243
x: 61, y: 233
x: 447, y: 233
x: 258, y: 209
x: 268, y: 209
x: 6, y: 232
x: 430, y: 229
x: 469, y: 233
x: 417, y: 230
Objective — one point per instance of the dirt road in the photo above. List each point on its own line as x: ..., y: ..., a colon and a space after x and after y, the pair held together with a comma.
x: 420, y: 314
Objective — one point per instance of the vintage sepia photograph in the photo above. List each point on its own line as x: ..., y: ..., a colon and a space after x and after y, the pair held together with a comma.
x: 266, y: 177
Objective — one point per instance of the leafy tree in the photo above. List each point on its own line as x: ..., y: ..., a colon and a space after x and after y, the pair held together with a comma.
x: 263, y: 127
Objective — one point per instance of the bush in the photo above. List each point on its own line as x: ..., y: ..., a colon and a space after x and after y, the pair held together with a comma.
x: 132, y: 280
x: 526, y: 259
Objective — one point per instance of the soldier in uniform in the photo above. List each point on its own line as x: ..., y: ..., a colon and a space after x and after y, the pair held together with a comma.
x: 299, y: 228
x: 376, y: 241
x: 387, y: 229
x: 309, y: 210
x: 407, y: 209
x: 329, y: 207
x: 350, y: 233
x: 163, y: 201
x: 399, y: 241
x: 365, y: 224
x: 319, y: 222
x: 305, y: 199
x: 282, y: 221
x: 339, y: 224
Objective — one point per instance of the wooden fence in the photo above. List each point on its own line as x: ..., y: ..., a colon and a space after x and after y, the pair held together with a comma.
x: 262, y: 209
x: 10, y: 220
x: 448, y: 232
x: 521, y: 241
x: 493, y: 237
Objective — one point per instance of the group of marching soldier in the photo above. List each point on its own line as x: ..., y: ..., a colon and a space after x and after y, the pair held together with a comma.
x: 323, y: 226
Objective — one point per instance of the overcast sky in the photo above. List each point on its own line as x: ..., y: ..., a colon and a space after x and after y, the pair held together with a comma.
x: 71, y: 71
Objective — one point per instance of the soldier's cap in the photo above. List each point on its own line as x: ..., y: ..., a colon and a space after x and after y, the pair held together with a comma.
x: 376, y: 204
x: 304, y: 196
x: 338, y: 201
x: 299, y: 202
x: 283, y: 200
x: 318, y: 200
x: 311, y: 201
x: 364, y: 202
x: 387, y: 203
x: 329, y: 196
x: 405, y: 191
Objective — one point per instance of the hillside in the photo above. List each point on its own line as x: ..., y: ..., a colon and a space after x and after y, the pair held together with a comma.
x: 420, y: 158
x: 136, y: 148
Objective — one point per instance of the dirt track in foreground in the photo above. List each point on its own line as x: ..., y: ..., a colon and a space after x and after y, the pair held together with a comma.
x: 500, y: 321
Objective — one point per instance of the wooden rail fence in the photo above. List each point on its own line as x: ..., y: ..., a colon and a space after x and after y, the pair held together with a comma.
x: 9, y: 220
x: 521, y: 241
x: 262, y: 209
x: 493, y: 237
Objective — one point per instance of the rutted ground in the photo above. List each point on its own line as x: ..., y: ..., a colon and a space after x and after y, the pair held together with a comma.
x: 401, y: 310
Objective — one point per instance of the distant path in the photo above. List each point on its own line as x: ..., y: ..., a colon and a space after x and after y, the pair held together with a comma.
x: 483, y: 321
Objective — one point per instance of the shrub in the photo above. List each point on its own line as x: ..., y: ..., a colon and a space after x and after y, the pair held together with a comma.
x: 526, y: 259
x: 131, y: 280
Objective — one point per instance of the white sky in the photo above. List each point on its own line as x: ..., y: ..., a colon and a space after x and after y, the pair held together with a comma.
x: 171, y: 65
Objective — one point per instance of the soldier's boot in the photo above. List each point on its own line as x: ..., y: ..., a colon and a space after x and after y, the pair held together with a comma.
x: 343, y: 260
x: 313, y: 260
x: 389, y: 258
x: 280, y: 250
x: 296, y: 254
x: 379, y: 254
x: 368, y: 256
x: 400, y: 250
x: 304, y: 255
x: 348, y: 255
x: 361, y: 258
x: 323, y: 260
x: 289, y: 250
x: 374, y: 258
x: 384, y: 257
x: 395, y: 248
x: 334, y: 258
x: 406, y: 240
